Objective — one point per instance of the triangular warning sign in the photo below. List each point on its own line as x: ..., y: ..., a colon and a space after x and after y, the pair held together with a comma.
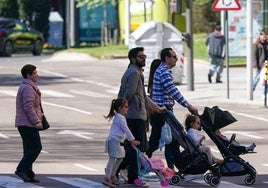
x: 226, y: 5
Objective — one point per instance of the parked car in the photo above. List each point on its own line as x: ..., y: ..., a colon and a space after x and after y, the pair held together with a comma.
x: 16, y: 36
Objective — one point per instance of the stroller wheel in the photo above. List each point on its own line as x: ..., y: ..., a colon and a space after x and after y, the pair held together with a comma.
x: 175, y: 180
x: 249, y: 180
x: 207, y: 177
x: 214, y: 181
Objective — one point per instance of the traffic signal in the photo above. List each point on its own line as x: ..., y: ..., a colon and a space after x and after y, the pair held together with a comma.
x: 186, y: 38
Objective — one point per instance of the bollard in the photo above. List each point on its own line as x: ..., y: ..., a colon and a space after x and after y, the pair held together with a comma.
x: 265, y: 83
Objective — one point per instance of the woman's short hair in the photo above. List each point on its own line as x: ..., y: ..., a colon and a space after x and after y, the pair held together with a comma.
x: 27, y: 69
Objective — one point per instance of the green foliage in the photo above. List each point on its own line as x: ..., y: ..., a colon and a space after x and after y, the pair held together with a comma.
x: 108, y: 51
x: 204, y: 17
x: 37, y: 13
x: 94, y: 3
x: 9, y: 9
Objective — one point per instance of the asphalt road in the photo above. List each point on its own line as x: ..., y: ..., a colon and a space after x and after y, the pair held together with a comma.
x: 76, y: 93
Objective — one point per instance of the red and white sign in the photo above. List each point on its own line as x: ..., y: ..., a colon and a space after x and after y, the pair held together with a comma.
x: 226, y: 5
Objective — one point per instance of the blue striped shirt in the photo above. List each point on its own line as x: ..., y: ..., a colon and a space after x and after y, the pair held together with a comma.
x: 164, y: 89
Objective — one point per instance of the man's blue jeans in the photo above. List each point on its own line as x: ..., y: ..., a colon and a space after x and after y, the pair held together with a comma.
x: 256, y: 79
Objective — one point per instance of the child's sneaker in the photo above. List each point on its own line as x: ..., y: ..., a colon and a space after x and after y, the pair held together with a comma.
x: 251, y: 147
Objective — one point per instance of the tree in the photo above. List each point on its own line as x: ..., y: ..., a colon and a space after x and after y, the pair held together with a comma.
x: 204, y: 17
x: 9, y: 9
x: 37, y: 13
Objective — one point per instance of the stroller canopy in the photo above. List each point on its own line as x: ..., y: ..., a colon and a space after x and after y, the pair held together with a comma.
x: 215, y: 118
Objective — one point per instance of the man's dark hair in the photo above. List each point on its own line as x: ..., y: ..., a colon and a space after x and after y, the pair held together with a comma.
x: 218, y: 28
x: 134, y: 52
x: 27, y: 69
x: 165, y: 53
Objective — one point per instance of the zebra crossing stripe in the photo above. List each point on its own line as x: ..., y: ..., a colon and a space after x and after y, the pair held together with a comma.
x: 85, y: 167
x: 3, y: 136
x: 9, y: 92
x: 55, y: 93
x: 78, y: 182
x: 68, y: 108
x: 11, y: 182
x: 90, y: 93
x: 222, y: 184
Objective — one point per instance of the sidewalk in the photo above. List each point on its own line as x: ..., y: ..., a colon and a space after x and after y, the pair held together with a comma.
x: 217, y: 93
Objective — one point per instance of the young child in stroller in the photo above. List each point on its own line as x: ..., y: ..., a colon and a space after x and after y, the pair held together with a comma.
x: 233, y: 145
x: 192, y: 126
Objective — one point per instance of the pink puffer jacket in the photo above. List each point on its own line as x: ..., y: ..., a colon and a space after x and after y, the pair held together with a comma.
x: 28, y: 109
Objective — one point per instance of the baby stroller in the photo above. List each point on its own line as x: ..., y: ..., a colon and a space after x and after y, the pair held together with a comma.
x: 152, y: 165
x: 212, y: 119
x: 191, y: 161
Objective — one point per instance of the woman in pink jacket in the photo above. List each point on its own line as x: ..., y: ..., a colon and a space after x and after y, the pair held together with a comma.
x: 28, y: 121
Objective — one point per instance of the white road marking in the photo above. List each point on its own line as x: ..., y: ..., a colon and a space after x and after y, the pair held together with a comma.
x: 78, y: 182
x: 248, y: 134
x: 66, y: 107
x: 265, y: 165
x: 249, y: 116
x: 11, y: 182
x: 55, y: 93
x: 223, y: 184
x: 90, y: 94
x: 9, y: 92
x: 77, y: 79
x: 99, y: 84
x: 113, y: 91
x: 85, y: 167
x: 3, y: 136
x: 53, y: 73
x: 77, y: 133
x: 43, y: 151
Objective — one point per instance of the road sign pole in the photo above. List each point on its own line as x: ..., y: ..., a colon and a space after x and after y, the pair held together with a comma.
x: 227, y: 51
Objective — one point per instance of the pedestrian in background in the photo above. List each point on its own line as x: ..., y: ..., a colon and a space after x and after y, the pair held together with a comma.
x: 215, y: 43
x: 119, y: 131
x: 165, y: 93
x: 28, y: 122
x: 260, y: 54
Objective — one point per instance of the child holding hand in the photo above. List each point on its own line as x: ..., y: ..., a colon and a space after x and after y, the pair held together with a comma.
x: 119, y: 131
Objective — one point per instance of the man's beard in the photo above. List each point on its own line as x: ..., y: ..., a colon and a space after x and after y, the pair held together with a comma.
x: 140, y: 64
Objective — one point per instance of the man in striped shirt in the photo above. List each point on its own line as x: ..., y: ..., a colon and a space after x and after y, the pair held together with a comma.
x: 165, y: 93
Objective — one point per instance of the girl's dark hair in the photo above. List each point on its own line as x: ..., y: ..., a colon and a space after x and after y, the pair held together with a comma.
x: 27, y: 69
x: 165, y: 53
x: 190, y: 118
x: 155, y: 64
x: 115, y: 105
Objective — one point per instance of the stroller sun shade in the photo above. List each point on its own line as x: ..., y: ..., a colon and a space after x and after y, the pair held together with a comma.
x: 215, y: 118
